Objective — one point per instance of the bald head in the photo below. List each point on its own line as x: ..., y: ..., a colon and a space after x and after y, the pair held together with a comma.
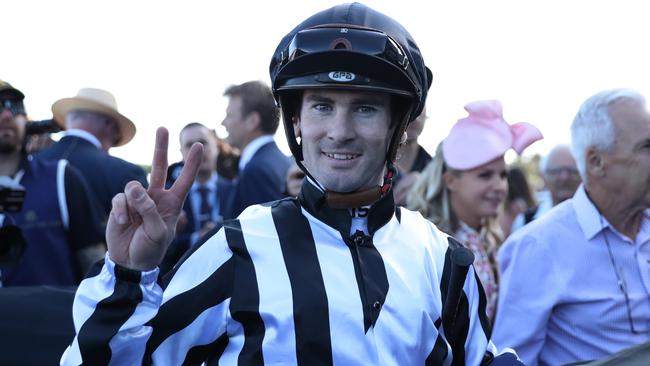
x: 560, y: 173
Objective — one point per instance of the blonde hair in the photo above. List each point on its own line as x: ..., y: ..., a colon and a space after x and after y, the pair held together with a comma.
x: 430, y: 197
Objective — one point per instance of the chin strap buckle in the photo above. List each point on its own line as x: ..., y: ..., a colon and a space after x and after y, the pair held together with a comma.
x: 388, y: 179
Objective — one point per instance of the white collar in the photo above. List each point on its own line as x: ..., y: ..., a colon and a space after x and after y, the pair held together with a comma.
x: 210, y: 183
x: 84, y: 135
x: 251, y: 149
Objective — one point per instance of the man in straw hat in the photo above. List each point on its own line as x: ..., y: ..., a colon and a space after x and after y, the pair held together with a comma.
x: 94, y: 125
x: 338, y: 275
x: 58, y: 218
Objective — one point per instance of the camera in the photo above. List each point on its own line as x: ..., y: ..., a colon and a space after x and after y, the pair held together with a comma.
x: 41, y: 127
x: 12, y: 242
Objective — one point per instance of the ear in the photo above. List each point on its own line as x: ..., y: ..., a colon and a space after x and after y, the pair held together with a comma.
x: 450, y: 180
x: 595, y: 163
x: 296, y: 126
x: 253, y: 121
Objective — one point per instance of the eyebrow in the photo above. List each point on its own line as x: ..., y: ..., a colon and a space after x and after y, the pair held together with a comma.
x: 364, y: 99
x: 369, y: 99
x: 318, y: 98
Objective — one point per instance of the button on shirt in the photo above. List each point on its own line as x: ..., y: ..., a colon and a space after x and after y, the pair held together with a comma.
x: 559, y: 299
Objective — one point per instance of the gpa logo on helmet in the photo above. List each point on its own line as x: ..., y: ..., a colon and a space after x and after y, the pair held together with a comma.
x: 341, y: 76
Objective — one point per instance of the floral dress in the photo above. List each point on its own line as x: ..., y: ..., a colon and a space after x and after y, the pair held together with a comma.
x: 484, y: 263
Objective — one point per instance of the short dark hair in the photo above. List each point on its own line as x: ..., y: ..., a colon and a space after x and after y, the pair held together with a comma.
x: 257, y: 97
x: 193, y: 124
x: 196, y: 124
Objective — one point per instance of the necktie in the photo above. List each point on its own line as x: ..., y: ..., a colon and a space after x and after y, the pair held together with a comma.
x: 205, y: 210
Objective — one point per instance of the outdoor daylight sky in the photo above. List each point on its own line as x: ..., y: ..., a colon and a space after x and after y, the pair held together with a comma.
x: 168, y: 62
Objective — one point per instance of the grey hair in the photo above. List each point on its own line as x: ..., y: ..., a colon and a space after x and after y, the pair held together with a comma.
x: 543, y: 163
x: 593, y: 126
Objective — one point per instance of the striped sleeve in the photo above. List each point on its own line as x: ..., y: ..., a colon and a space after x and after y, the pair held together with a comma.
x: 123, y: 317
x: 112, y: 301
x: 468, y: 333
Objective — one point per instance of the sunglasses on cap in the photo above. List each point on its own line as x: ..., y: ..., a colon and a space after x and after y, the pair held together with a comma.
x: 362, y: 40
x: 357, y: 40
x: 14, y: 106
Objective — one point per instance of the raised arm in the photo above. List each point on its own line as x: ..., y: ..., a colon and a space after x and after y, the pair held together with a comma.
x: 114, y: 304
x: 142, y: 222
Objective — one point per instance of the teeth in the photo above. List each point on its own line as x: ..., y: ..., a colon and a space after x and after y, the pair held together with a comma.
x: 340, y: 156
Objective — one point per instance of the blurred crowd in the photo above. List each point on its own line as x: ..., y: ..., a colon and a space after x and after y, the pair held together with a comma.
x: 565, y: 267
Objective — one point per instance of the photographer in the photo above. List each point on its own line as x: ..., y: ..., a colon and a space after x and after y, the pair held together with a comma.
x: 58, y: 219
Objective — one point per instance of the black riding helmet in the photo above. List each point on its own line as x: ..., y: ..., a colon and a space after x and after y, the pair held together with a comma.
x: 354, y: 47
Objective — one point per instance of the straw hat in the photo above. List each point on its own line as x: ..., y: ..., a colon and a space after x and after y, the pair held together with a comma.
x: 95, y: 100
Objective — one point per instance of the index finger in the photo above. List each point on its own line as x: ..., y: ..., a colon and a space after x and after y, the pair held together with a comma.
x: 159, y: 163
x: 188, y: 174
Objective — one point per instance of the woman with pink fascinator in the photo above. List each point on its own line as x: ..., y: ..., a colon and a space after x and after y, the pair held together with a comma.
x: 463, y: 188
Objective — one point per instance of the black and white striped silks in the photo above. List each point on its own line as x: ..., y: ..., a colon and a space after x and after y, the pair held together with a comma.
x: 287, y: 284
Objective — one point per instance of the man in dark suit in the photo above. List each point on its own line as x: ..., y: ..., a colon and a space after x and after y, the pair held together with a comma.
x: 251, y: 120
x: 202, y: 207
x: 94, y: 125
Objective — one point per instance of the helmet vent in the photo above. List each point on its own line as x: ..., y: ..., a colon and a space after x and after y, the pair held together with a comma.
x: 341, y: 44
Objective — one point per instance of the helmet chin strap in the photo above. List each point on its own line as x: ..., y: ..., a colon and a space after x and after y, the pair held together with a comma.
x: 363, y: 197
x: 356, y: 199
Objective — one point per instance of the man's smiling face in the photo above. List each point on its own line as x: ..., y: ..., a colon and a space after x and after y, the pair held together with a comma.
x: 344, y: 137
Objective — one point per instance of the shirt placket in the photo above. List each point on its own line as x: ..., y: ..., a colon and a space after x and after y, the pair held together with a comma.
x: 642, y: 256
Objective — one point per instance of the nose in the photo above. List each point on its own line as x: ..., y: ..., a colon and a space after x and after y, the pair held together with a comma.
x: 341, y: 128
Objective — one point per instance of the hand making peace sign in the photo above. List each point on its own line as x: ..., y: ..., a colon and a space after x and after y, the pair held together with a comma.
x: 142, y: 222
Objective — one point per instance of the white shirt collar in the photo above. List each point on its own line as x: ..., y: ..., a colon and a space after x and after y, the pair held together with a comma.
x: 252, y: 148
x: 84, y: 135
x: 590, y: 219
x: 211, y: 183
x: 587, y: 214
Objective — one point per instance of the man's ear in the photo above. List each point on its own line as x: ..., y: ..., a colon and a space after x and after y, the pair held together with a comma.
x: 253, y: 121
x: 296, y: 126
x: 595, y: 162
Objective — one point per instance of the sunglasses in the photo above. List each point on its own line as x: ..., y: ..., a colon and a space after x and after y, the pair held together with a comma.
x: 366, y: 41
x: 556, y: 172
x: 351, y: 39
x: 14, y: 106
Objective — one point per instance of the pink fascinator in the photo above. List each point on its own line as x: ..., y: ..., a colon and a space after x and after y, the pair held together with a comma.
x: 484, y: 136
